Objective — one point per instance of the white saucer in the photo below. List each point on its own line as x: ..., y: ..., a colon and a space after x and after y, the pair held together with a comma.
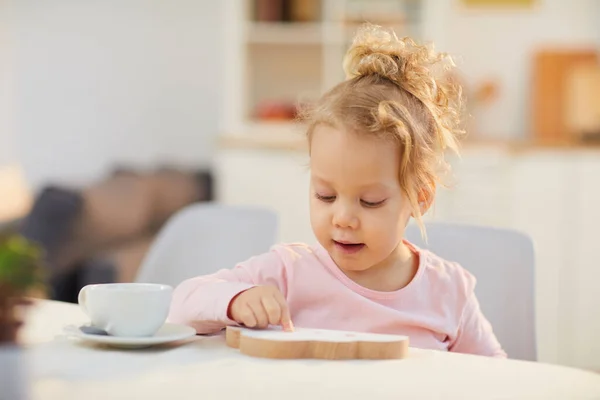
x: 166, y: 334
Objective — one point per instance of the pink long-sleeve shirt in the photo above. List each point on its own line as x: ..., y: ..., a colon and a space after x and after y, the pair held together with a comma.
x: 436, y: 310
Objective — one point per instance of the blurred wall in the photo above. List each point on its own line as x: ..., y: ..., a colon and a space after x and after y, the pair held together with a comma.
x: 98, y: 82
x: 7, y: 146
x: 499, y: 45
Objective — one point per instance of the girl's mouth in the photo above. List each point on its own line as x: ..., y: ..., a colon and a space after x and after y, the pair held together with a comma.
x: 348, y: 248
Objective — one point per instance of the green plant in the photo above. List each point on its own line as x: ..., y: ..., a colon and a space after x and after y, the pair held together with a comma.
x: 20, y: 263
x: 21, y: 273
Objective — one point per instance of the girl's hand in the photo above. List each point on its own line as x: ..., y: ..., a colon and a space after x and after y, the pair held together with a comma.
x: 261, y: 306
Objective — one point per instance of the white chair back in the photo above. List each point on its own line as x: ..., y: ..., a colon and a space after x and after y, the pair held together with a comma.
x: 503, y: 262
x: 205, y: 237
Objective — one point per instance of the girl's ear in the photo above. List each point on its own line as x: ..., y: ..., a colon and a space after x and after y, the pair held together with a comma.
x: 426, y: 199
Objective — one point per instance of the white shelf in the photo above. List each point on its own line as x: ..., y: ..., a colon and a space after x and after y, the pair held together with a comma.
x: 291, y: 61
x: 272, y: 127
x: 278, y: 135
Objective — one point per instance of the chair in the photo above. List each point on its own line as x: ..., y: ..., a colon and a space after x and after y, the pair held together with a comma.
x: 205, y: 237
x: 503, y: 262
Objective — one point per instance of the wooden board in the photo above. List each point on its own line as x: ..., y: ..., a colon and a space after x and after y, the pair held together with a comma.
x: 549, y: 97
x: 316, y: 343
x: 582, y: 111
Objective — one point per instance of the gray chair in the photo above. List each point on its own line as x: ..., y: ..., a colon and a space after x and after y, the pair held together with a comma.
x: 205, y: 237
x: 503, y: 262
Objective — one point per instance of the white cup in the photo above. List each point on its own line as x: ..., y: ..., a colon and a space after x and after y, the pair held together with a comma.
x: 126, y: 309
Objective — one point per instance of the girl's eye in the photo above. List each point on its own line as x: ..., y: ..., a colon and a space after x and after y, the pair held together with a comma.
x: 372, y: 205
x: 326, y: 199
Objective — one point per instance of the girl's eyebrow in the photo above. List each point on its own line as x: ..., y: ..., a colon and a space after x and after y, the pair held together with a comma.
x: 376, y: 185
x: 366, y: 186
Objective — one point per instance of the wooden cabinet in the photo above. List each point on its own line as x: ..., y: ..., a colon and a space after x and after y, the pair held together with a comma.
x: 551, y: 194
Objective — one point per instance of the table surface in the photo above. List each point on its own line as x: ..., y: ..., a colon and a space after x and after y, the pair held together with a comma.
x: 55, y: 366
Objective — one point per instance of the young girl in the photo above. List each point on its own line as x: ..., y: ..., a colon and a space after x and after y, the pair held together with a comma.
x: 377, y: 142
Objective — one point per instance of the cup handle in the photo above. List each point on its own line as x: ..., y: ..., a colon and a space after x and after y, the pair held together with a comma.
x: 81, y: 299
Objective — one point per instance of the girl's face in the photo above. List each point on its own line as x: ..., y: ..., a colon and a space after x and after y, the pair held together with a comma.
x: 357, y: 208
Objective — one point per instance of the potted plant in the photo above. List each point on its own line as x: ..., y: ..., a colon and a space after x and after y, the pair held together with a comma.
x: 21, y: 274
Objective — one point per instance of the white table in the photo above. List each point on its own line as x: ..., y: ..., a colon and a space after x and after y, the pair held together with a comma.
x: 204, y: 368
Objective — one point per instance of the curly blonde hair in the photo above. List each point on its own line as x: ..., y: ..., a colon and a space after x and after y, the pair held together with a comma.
x: 396, y: 89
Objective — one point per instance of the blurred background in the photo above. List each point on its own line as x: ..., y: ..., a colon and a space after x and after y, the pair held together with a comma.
x: 116, y: 114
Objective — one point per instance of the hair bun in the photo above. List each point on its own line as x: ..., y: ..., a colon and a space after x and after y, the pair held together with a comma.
x: 375, y: 51
x: 416, y: 68
x: 378, y: 51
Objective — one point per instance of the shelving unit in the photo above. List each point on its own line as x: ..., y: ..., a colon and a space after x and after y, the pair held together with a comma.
x: 277, y: 59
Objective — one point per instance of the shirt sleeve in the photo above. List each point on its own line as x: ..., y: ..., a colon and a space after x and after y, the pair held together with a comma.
x: 475, y: 334
x: 202, y: 302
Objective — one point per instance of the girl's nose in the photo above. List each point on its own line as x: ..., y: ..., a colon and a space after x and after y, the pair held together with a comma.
x: 345, y: 217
